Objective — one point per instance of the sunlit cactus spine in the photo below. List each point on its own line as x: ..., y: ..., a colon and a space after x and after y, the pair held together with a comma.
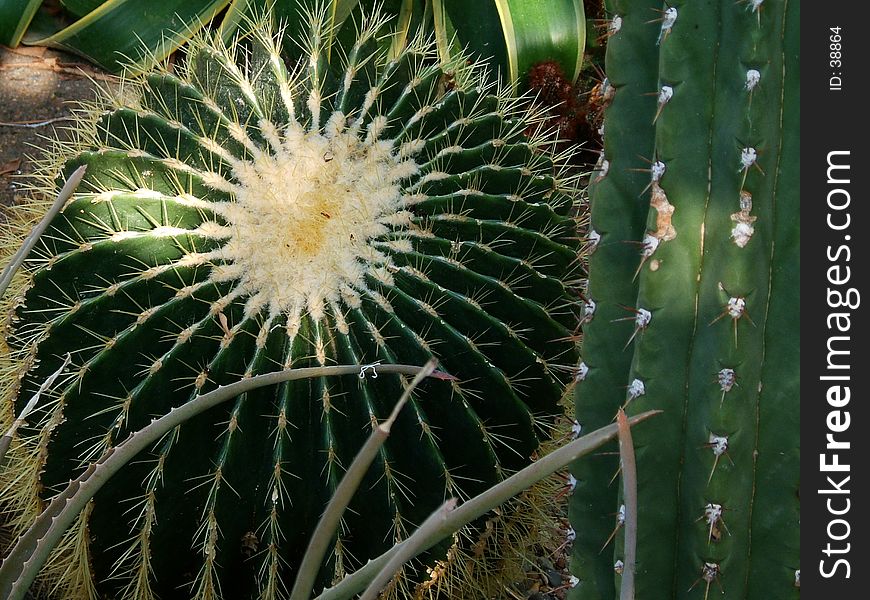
x: 693, y: 303
x: 241, y: 215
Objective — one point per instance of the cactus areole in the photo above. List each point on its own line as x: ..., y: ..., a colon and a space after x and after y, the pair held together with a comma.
x: 248, y: 214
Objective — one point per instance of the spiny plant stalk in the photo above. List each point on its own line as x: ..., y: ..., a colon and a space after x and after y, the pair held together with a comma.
x: 409, y: 549
x: 693, y: 302
x: 483, y: 503
x: 243, y: 215
x: 22, y: 563
x: 330, y: 520
x: 9, y: 271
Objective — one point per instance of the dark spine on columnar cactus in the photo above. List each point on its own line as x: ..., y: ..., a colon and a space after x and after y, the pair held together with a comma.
x: 715, y: 332
x: 241, y: 216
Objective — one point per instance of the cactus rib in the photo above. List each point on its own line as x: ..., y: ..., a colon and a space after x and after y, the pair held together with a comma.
x: 714, y: 321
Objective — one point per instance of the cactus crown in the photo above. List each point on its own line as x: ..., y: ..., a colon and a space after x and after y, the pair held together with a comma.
x: 244, y: 214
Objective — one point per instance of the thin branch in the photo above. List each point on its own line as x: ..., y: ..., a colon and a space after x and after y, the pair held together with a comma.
x: 328, y: 524
x: 629, y: 496
x: 33, y: 548
x: 34, y: 124
x: 483, y: 503
x: 64, y: 195
x: 410, y: 548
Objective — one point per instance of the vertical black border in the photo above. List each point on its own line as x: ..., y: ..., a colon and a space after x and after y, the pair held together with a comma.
x: 832, y: 121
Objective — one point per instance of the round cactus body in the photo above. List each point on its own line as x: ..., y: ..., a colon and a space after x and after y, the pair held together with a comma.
x: 246, y: 215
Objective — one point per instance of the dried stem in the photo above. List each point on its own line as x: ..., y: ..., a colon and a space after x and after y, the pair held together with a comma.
x: 6, y: 440
x: 483, y: 503
x: 413, y: 546
x: 328, y: 524
x: 29, y: 242
x: 629, y: 494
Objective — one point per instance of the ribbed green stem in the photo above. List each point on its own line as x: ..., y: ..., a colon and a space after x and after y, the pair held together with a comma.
x: 618, y: 213
x: 714, y: 323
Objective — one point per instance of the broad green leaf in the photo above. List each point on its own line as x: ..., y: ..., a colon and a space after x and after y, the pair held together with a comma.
x: 552, y: 30
x: 478, y: 28
x: 403, y: 27
x: 238, y: 12
x: 515, y: 35
x: 404, y: 18
x: 81, y: 7
x: 15, y: 16
x: 122, y: 32
x: 294, y: 14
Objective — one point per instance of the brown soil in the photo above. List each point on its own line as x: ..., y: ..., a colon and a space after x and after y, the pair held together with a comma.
x: 37, y: 89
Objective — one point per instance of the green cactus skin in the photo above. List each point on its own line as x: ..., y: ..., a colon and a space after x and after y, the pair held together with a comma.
x: 434, y: 224
x: 715, y: 337
x: 618, y: 213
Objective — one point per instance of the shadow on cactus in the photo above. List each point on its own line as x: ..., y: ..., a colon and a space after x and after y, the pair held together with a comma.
x: 244, y: 215
x: 694, y: 303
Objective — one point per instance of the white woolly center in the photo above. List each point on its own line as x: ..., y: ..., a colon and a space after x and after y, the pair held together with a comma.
x: 669, y: 17
x: 710, y: 572
x: 593, y: 238
x: 713, y: 512
x: 305, y: 215
x: 603, y: 168
x: 741, y: 233
x: 650, y: 244
x: 736, y: 306
x: 719, y: 444
x: 642, y: 318
x: 589, y: 309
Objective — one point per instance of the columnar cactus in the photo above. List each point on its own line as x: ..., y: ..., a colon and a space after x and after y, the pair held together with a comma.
x: 693, y: 302
x: 243, y: 215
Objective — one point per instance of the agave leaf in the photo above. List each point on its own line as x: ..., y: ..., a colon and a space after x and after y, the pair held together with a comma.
x: 514, y: 35
x: 557, y: 33
x: 15, y: 16
x: 237, y: 12
x: 477, y: 26
x: 410, y: 12
x: 292, y: 14
x: 445, y: 35
x: 104, y: 35
x: 81, y: 7
x: 406, y: 17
